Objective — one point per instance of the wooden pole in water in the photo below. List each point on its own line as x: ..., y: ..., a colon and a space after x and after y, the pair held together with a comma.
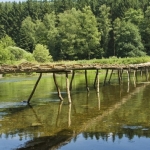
x: 134, y: 78
x: 98, y: 83
x: 86, y: 80
x: 119, y: 75
x: 105, y: 77
x: 73, y: 74
x: 68, y: 89
x: 95, y: 79
x: 147, y: 74
x: 136, y: 75
x: 34, y: 88
x: 128, y: 80
x: 58, y: 90
x: 110, y: 75
x: 69, y: 115
x: 59, y: 111
x: 141, y: 72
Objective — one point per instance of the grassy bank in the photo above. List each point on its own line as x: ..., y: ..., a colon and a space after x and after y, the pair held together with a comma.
x: 111, y: 60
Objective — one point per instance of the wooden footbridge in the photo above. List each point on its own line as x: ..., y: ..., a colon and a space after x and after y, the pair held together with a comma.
x: 71, y: 68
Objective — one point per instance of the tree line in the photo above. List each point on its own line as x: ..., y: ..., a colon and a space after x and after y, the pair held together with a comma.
x: 75, y: 29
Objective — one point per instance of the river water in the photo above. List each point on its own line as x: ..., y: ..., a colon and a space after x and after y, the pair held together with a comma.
x: 118, y: 117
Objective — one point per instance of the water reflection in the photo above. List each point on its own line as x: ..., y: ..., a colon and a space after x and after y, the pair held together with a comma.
x: 49, y: 124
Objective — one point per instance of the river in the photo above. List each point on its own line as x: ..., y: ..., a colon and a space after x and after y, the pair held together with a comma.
x: 115, y: 118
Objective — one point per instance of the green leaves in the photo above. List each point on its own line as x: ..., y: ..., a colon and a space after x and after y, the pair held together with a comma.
x: 41, y: 54
x: 78, y: 32
x: 127, y: 40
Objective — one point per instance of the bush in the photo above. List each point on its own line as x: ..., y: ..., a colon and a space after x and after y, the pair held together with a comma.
x: 41, y: 54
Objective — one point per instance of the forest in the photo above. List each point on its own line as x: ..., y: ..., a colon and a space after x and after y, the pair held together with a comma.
x: 52, y: 30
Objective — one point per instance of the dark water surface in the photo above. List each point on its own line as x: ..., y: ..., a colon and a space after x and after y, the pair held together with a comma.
x: 116, y: 118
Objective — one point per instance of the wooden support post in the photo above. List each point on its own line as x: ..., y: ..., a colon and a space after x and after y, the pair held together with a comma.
x: 68, y: 89
x: 58, y: 90
x: 119, y: 76
x: 121, y: 73
x: 34, y: 88
x: 59, y: 111
x: 73, y: 74
x: 105, y: 77
x: 99, y: 102
x: 136, y: 75
x: 95, y: 79
x: 146, y: 73
x: 110, y: 75
x: 69, y: 115
x: 98, y: 83
x: 141, y: 72
x: 134, y: 78
x: 128, y: 80
x: 86, y: 80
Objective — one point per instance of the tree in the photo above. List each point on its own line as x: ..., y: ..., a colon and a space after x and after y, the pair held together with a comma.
x: 41, y: 54
x: 4, y: 54
x: 79, y: 36
x: 27, y: 35
x: 145, y: 30
x: 134, y: 16
x: 104, y: 25
x: 127, y: 40
x: 49, y: 22
x: 7, y: 41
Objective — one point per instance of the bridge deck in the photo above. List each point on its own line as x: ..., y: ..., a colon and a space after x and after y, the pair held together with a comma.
x: 50, y: 68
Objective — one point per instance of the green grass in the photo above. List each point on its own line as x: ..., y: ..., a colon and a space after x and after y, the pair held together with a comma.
x: 111, y: 60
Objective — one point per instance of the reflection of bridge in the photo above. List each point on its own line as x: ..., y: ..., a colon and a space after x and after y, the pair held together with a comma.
x: 62, y: 68
x: 66, y: 135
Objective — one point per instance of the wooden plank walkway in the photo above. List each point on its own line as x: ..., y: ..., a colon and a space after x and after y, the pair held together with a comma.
x: 50, y: 68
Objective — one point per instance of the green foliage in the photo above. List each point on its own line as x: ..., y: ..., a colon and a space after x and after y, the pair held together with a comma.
x: 7, y: 41
x: 127, y: 40
x: 70, y: 31
x: 79, y: 36
x: 27, y: 32
x: 134, y: 16
x: 52, y: 33
x: 41, y: 54
x: 4, y: 55
x: 104, y: 25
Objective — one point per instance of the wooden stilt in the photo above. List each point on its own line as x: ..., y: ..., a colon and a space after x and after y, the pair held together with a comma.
x: 95, y: 79
x: 73, y: 74
x: 141, y: 72
x: 110, y: 75
x: 134, y: 78
x: 128, y: 80
x: 58, y: 90
x: 86, y: 80
x: 69, y: 115
x: 34, y: 88
x: 147, y: 74
x: 98, y: 83
x: 68, y: 89
x: 99, y: 102
x: 59, y: 111
x: 136, y: 75
x: 119, y: 74
x: 105, y: 77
